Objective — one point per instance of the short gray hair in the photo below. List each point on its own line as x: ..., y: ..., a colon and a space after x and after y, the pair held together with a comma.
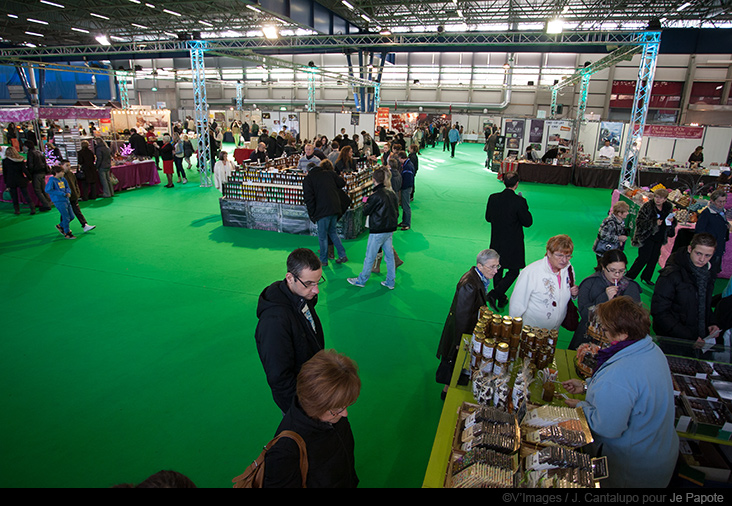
x: 487, y: 254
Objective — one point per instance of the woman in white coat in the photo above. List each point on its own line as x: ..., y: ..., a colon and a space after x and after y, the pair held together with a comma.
x: 544, y: 288
x: 223, y: 168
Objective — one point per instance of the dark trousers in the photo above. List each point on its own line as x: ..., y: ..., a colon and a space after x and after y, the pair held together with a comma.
x: 645, y: 263
x: 445, y: 144
x: 39, y: 185
x: 179, y: 167
x: 88, y: 189
x: 501, y: 282
x: 14, y: 195
x: 77, y: 212
x: 452, y: 148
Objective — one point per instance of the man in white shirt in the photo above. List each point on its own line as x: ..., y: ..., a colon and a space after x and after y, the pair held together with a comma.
x: 607, y: 151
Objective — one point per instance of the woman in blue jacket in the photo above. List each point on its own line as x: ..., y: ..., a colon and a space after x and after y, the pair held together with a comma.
x: 629, y: 404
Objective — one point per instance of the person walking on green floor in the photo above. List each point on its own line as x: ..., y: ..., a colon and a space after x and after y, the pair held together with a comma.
x: 383, y: 213
x: 406, y: 190
x: 508, y: 213
x: 289, y: 332
x: 454, y: 137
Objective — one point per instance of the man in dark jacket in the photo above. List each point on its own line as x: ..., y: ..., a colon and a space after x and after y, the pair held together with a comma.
x: 382, y: 210
x: 713, y: 220
x: 470, y: 296
x: 138, y: 144
x: 321, y: 192
x: 508, y: 213
x: 408, y: 174
x: 681, y: 305
x: 38, y: 168
x: 289, y: 331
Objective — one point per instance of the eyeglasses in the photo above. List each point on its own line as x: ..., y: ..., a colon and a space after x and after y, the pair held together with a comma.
x: 337, y: 412
x: 617, y: 272
x: 496, y: 267
x: 310, y: 284
x: 562, y: 257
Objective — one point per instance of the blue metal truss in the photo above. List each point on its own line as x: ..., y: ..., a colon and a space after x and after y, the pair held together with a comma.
x: 239, y: 95
x: 643, y: 87
x: 198, y: 70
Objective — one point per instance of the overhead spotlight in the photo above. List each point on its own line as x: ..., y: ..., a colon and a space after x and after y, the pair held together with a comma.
x: 440, y: 29
x: 554, y: 26
x: 385, y: 31
x: 103, y: 40
x: 270, y: 32
x: 416, y: 81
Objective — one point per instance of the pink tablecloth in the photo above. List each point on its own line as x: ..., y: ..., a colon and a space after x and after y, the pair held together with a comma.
x: 131, y: 175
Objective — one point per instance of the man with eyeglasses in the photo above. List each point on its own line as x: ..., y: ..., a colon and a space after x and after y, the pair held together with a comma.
x: 470, y: 296
x: 289, y: 331
x: 681, y: 305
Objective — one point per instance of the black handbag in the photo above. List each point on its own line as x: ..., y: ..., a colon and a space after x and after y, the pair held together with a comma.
x: 571, y: 319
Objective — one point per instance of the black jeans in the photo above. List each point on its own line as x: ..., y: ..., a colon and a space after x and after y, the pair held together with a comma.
x: 645, y: 263
x: 16, y: 202
x: 502, y: 283
x: 452, y: 147
x: 39, y: 185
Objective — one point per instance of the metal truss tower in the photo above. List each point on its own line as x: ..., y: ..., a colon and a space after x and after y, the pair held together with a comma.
x: 198, y: 70
x: 124, y: 93
x: 646, y: 71
x: 239, y: 95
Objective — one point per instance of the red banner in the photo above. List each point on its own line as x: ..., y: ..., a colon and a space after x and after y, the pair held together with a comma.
x: 675, y: 132
x: 382, y: 118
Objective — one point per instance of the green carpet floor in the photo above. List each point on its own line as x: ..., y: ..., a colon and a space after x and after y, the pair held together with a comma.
x: 131, y: 349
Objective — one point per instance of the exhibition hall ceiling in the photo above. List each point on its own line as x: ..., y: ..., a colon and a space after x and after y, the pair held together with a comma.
x: 50, y: 23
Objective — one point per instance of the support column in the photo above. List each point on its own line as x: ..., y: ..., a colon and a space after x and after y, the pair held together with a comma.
x: 651, y: 42
x: 200, y: 103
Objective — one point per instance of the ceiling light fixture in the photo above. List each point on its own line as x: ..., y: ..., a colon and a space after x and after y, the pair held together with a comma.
x: 135, y: 1
x: 53, y: 4
x: 204, y: 22
x: 683, y: 6
x: 149, y: 5
x: 172, y: 12
x: 554, y: 26
x: 385, y: 31
x: 12, y: 16
x: 34, y: 34
x: 79, y: 30
x: 252, y: 8
x: 139, y: 26
x: 348, y: 5
x: 270, y: 32
x: 37, y: 21
x: 103, y: 40
x: 98, y: 16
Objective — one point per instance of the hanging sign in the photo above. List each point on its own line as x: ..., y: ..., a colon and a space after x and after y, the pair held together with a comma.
x: 672, y: 131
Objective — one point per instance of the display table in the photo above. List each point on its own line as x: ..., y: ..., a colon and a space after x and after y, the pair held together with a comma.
x: 599, y: 176
x: 134, y: 174
x: 670, y: 245
x: 456, y: 395
x: 537, y: 172
x: 285, y: 218
x: 241, y: 154
x: 564, y: 365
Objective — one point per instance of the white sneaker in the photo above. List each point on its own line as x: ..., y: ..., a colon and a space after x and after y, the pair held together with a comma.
x: 88, y: 227
x: 185, y: 180
x: 354, y: 282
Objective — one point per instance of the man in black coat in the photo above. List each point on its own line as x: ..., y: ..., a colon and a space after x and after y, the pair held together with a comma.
x: 470, y: 296
x: 138, y: 144
x: 289, y: 331
x: 681, y: 305
x: 321, y: 193
x: 38, y: 168
x: 508, y: 213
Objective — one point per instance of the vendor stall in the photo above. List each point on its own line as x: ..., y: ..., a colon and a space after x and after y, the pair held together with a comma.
x: 270, y: 198
x: 537, y: 172
x: 542, y: 420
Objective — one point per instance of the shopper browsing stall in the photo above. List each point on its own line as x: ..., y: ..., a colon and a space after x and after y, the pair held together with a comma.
x: 222, y: 170
x: 654, y: 224
x: 543, y: 289
x: 613, y: 233
x: 605, y: 284
x: 682, y: 300
x: 74, y: 196
x: 470, y: 296
x: 629, y: 403
x: 321, y: 193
